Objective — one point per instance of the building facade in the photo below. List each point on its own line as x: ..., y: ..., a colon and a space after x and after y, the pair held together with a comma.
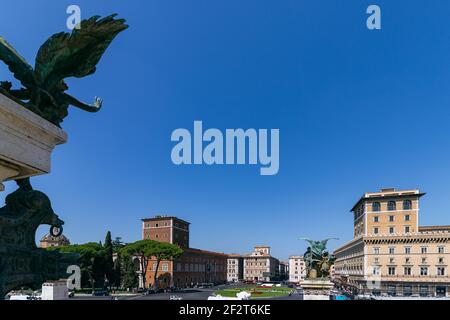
x: 297, y: 269
x: 192, y: 268
x: 390, y: 253
x: 261, y: 266
x: 235, y: 268
x: 49, y: 241
x: 166, y: 229
x: 284, y: 270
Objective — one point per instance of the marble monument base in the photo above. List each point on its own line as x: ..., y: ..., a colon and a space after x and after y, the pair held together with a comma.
x: 26, y: 142
x: 317, y: 289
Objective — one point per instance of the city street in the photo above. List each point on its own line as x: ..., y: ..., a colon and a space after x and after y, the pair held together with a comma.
x: 187, y: 294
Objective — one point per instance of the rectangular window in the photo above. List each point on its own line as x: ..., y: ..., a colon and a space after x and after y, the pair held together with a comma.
x: 165, y: 267
x: 423, y: 291
x: 391, y: 250
x: 423, y: 271
x: 407, y: 271
x: 391, y: 218
x: 441, y: 250
x: 375, y: 230
x: 376, y: 271
x: 407, y: 217
x: 407, y: 229
x: 376, y: 219
x: 376, y: 250
x: 407, y: 250
x: 424, y: 250
x: 391, y: 230
x: 441, y: 271
x: 391, y: 271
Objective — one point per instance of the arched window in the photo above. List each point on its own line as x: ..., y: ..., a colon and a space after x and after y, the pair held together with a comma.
x: 391, y: 206
x: 407, y: 205
x: 376, y: 206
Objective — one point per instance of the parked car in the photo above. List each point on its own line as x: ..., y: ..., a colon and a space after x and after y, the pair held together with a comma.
x: 150, y: 291
x: 100, y: 293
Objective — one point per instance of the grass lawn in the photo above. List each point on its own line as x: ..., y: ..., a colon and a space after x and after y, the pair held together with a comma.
x: 256, y: 292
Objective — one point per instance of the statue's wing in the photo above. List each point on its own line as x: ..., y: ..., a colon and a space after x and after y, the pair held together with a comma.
x: 311, y: 242
x: 76, y: 54
x: 16, y: 63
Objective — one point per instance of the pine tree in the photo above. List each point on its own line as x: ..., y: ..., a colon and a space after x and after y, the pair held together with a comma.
x: 117, y: 244
x: 117, y: 273
x: 109, y: 262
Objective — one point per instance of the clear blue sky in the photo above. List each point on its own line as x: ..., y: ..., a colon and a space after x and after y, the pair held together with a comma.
x: 357, y: 110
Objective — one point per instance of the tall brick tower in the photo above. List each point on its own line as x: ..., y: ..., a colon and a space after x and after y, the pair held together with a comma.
x: 166, y: 229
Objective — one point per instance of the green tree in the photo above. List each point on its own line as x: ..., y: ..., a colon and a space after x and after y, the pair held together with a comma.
x: 117, y: 272
x: 109, y: 263
x: 91, y: 261
x: 145, y: 250
x: 164, y: 251
x: 128, y: 274
x: 117, y: 244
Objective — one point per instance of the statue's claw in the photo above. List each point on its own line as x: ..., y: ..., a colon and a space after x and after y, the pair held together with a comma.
x: 98, y: 103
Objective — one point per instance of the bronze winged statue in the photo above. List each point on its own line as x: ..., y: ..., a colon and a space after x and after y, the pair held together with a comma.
x: 62, y: 56
x: 318, y: 260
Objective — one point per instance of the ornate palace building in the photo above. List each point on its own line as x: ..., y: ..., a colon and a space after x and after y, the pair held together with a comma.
x: 194, y: 267
x: 261, y: 266
x: 390, y: 253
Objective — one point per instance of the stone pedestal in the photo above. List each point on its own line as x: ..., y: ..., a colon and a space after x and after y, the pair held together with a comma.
x: 26, y: 142
x: 317, y: 289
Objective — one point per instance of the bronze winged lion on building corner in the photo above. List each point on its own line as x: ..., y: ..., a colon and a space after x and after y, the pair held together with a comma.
x: 62, y: 56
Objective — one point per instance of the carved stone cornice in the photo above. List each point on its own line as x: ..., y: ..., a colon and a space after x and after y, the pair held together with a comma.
x: 26, y: 141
